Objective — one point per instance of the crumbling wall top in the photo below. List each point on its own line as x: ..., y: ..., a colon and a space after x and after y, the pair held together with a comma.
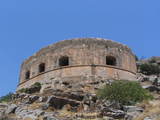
x: 80, y: 41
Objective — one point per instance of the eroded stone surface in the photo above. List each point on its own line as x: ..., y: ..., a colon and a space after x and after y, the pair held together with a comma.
x: 87, y: 62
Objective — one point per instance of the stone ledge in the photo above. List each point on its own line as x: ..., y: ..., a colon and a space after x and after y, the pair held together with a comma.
x: 107, y: 66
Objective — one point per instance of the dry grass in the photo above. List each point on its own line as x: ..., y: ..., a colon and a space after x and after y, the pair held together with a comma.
x: 65, y: 113
x: 35, y: 106
x: 152, y: 108
x: 146, y: 83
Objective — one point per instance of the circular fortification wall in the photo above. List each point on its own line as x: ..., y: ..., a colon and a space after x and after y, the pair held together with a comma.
x: 79, y: 60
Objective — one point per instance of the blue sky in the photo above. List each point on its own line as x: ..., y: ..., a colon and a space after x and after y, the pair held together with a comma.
x: 28, y: 25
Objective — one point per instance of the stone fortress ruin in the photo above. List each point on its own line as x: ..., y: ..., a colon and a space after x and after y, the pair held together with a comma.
x: 79, y: 60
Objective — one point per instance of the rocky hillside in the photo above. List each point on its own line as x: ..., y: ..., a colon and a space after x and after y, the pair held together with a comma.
x: 80, y: 102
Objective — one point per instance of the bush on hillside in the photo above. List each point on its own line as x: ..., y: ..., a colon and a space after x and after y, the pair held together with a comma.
x: 124, y: 92
x: 23, y: 90
x: 6, y: 98
x: 36, y: 87
x: 152, y: 60
x: 149, y: 69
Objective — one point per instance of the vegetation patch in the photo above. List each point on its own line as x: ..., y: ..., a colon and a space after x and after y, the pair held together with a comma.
x: 6, y: 98
x: 149, y: 69
x: 36, y: 87
x: 124, y: 92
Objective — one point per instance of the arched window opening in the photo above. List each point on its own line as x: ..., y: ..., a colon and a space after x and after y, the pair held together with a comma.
x: 64, y: 61
x: 41, y: 67
x: 27, y: 75
x: 110, y: 60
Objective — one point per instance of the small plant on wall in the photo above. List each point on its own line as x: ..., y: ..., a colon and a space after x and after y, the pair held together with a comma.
x: 36, y: 87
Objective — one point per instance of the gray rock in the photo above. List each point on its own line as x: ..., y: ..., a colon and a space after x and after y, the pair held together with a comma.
x: 116, y: 114
x: 42, y: 99
x: 132, y: 115
x: 59, y: 102
x: 129, y: 117
x: 49, y: 118
x: 44, y: 107
x: 148, y: 118
x: 11, y: 108
x: 152, y: 88
x: 132, y: 112
x: 3, y: 108
x: 132, y: 109
x: 2, y: 113
x: 86, y: 107
x: 22, y: 95
x: 3, y: 105
x: 4, y: 117
x: 152, y: 78
x: 22, y: 113
x: 32, y: 99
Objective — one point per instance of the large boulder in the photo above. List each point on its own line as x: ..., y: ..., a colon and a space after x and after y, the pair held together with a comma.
x: 3, y: 108
x: 116, y: 114
x: 152, y: 78
x: 22, y: 112
x: 132, y: 112
x: 32, y: 99
x: 58, y: 102
x: 11, y: 109
x: 132, y: 109
x: 71, y: 95
x: 152, y: 88
x: 49, y: 116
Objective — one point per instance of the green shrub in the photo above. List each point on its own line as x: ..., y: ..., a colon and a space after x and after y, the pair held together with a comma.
x: 153, y: 60
x: 37, y: 84
x: 33, y: 89
x: 149, y: 69
x: 24, y: 90
x: 6, y: 98
x: 124, y: 92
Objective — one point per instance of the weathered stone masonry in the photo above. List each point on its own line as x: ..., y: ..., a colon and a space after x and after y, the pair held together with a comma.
x: 79, y: 60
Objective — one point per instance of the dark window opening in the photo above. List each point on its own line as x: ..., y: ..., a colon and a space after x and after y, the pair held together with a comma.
x: 27, y: 75
x: 110, y: 60
x: 41, y: 67
x: 64, y: 61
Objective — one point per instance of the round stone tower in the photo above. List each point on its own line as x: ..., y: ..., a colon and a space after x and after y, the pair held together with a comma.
x: 79, y: 60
